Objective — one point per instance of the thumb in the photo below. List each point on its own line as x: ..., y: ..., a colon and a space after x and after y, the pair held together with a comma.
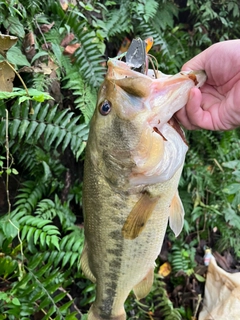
x: 186, y: 67
x: 196, y: 63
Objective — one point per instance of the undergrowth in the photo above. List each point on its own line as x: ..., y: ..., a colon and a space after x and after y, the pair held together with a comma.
x: 60, y: 55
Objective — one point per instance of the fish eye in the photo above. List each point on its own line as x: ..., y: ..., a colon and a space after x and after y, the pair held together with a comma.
x: 105, y: 108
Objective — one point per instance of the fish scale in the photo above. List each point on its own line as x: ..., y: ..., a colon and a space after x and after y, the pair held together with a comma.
x: 131, y: 176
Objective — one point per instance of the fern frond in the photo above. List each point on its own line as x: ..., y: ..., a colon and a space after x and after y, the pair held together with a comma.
x: 40, y: 289
x: 88, y: 57
x: 158, y: 300
x: 40, y: 163
x: 30, y: 194
x: 149, y: 29
x: 48, y: 126
x: 39, y: 81
x: 182, y: 259
x: 71, y: 247
x: 147, y: 9
x: 163, y: 302
x: 48, y: 209
x: 39, y: 231
x: 119, y: 21
x: 86, y: 96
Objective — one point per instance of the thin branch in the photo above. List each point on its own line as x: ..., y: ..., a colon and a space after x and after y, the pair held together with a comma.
x: 7, y: 159
x: 71, y: 299
x: 39, y: 29
x: 20, y: 78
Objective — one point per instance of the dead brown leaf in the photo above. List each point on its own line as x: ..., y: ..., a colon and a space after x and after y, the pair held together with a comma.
x: 29, y: 46
x: 46, y: 27
x: 45, y: 68
x: 6, y: 42
x: 69, y: 37
x: 69, y: 50
x: 6, y: 77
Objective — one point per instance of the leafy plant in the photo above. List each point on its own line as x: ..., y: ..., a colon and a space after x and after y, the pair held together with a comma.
x: 57, y: 65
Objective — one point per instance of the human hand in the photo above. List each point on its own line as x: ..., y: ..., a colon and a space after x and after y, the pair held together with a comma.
x: 216, y: 105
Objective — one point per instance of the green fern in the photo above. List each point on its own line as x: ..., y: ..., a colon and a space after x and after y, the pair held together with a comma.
x: 47, y: 125
x: 147, y: 9
x: 40, y: 289
x: 88, y: 57
x: 119, y: 21
x: 182, y: 257
x: 86, y: 96
x: 40, y: 163
x: 37, y: 231
x: 30, y: 194
x: 48, y: 209
x: 71, y: 246
x: 39, y: 81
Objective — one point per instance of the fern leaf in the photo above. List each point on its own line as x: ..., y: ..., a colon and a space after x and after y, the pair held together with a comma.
x: 86, y: 96
x: 41, y: 283
x: 119, y: 21
x: 147, y: 10
x: 35, y: 230
x: 88, y: 56
x: 66, y: 130
x: 71, y: 247
x: 29, y: 195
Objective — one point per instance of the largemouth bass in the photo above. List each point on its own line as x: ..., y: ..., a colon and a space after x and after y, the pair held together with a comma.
x: 134, y: 158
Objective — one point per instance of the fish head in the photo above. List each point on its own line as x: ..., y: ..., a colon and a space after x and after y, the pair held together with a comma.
x: 135, y: 135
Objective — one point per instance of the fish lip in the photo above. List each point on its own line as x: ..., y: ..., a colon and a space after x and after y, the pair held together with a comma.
x: 119, y: 70
x: 199, y: 77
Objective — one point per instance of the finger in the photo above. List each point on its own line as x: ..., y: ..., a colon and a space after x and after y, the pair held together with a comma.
x: 196, y: 115
x: 196, y: 63
x: 182, y: 114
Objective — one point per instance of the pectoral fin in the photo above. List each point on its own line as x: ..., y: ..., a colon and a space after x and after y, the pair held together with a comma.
x: 139, y: 216
x: 143, y: 288
x: 176, y: 217
x: 85, y: 265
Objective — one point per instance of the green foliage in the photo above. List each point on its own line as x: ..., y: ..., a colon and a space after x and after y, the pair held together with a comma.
x: 38, y: 288
x: 43, y: 132
x: 182, y: 257
x: 89, y: 55
x: 85, y: 94
x: 211, y: 178
x: 55, y: 127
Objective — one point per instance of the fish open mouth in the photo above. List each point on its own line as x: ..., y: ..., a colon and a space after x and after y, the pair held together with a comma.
x: 176, y: 126
x: 174, y: 123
